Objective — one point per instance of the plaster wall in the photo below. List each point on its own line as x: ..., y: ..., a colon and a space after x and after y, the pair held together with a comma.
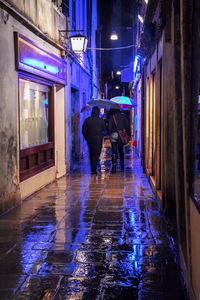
x: 68, y: 140
x: 84, y: 98
x: 33, y: 184
x: 11, y: 190
x: 9, y: 177
x: 59, y: 131
x: 43, y: 14
x: 79, y: 79
x: 195, y: 246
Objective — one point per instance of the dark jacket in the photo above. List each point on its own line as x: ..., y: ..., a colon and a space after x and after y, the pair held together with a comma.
x: 122, y: 123
x: 92, y: 131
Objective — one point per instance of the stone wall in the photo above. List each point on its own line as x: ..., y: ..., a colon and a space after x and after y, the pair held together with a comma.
x: 43, y: 14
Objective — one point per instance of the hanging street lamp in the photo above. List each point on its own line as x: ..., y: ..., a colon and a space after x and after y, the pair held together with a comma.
x: 78, y: 42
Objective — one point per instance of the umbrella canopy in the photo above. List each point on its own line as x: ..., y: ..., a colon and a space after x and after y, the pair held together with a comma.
x: 103, y: 103
x: 123, y: 101
x: 85, y: 107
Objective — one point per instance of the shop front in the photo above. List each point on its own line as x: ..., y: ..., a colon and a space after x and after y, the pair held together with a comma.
x: 41, y: 118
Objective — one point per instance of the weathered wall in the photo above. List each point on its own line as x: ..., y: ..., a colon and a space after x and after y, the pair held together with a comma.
x: 84, y: 92
x: 78, y: 79
x: 68, y: 116
x: 43, y: 14
x: 195, y: 246
x: 11, y: 191
x: 168, y: 128
x: 9, y: 188
x: 33, y: 184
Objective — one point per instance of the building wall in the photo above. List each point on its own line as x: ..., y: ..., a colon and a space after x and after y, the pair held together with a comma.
x: 168, y: 128
x: 11, y: 190
x: 159, y: 95
x: 195, y: 247
x: 139, y: 115
x: 43, y: 14
x: 9, y: 177
x: 82, y: 78
x: 60, y: 141
x: 179, y: 97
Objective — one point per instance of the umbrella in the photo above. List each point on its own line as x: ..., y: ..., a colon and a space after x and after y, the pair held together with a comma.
x: 103, y: 103
x: 123, y: 101
x: 85, y: 107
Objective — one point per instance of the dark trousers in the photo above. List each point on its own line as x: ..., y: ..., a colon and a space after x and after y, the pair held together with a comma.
x: 118, y: 147
x: 94, y: 153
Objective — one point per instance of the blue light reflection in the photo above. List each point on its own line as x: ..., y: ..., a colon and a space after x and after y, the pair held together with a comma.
x: 29, y: 256
x: 40, y: 65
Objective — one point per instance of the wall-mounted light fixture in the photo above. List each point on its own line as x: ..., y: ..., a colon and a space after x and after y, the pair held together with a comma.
x: 114, y: 36
x: 141, y: 18
x: 118, y: 72
x: 78, y: 41
x: 117, y: 87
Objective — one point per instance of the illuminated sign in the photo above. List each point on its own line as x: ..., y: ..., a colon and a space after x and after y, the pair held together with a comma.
x: 199, y: 103
x: 35, y: 60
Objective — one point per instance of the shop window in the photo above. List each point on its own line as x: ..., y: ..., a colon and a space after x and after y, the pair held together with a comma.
x: 34, y: 100
x: 36, y: 124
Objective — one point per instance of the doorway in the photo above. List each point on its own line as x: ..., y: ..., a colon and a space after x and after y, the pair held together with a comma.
x: 75, y: 124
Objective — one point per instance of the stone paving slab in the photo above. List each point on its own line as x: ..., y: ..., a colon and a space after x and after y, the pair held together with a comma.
x: 90, y: 237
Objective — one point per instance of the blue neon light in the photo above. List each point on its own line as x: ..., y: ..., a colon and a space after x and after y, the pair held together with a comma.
x: 40, y: 65
x: 136, y: 67
x: 46, y: 101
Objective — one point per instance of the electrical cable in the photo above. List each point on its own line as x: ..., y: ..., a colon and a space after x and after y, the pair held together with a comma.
x: 119, y: 48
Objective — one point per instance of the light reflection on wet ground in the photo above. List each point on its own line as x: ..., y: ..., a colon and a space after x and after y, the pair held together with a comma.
x: 90, y: 237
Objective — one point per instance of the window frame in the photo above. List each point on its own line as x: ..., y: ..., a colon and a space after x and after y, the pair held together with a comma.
x: 35, y: 159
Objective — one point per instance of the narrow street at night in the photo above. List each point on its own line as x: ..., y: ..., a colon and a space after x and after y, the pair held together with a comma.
x: 100, y: 150
x: 91, y: 237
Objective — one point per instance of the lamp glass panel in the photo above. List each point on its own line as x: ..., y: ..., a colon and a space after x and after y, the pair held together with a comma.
x: 85, y: 45
x: 77, y: 44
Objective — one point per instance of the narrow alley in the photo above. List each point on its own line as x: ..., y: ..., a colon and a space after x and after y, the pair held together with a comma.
x: 90, y: 237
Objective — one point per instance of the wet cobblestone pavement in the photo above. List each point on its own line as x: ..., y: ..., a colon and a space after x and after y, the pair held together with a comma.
x: 90, y: 237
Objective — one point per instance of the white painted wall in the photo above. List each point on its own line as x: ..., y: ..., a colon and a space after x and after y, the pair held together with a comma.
x: 59, y: 131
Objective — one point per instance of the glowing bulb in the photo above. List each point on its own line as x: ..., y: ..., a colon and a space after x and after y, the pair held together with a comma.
x: 141, y: 19
x: 114, y: 36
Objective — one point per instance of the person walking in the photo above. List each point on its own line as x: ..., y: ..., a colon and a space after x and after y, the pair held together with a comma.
x: 117, y: 121
x: 92, y: 130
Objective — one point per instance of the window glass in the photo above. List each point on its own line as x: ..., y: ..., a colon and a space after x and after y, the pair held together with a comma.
x: 34, y: 101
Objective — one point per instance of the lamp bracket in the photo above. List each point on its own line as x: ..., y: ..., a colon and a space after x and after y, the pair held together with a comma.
x: 71, y: 30
x: 63, y: 36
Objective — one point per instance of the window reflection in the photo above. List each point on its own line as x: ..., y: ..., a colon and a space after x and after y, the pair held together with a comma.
x: 34, y: 100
